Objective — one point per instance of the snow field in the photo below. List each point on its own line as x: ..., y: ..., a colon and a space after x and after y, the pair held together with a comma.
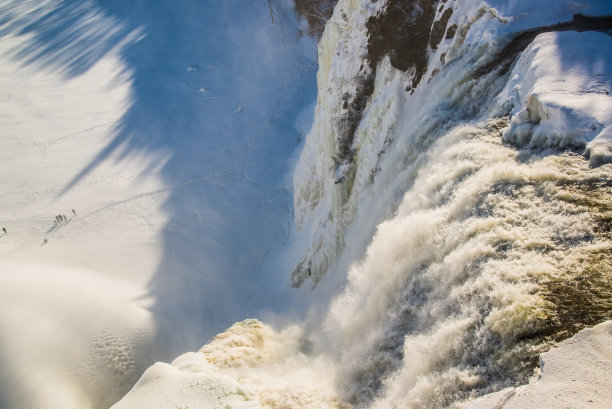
x: 75, y: 329
x: 173, y: 155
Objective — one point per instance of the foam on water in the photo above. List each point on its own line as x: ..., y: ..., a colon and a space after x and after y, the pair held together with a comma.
x: 248, y: 366
x: 457, y: 292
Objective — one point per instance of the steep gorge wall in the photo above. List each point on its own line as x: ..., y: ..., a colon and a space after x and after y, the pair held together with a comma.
x: 370, y: 51
x: 380, y: 61
x: 450, y: 192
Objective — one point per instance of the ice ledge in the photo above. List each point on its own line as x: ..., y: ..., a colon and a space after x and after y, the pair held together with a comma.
x: 560, y: 94
x: 576, y: 374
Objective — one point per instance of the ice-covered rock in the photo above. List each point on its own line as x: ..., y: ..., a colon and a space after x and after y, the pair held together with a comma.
x: 248, y: 366
x: 560, y: 92
x: 576, y: 374
x: 367, y: 69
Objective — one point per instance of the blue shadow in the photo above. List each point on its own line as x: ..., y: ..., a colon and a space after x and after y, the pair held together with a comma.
x: 217, y: 85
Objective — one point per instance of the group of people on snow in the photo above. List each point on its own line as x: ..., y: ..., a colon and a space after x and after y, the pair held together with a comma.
x: 62, y: 217
x: 59, y: 218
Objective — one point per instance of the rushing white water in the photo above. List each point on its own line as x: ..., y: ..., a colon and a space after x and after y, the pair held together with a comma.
x: 467, y: 261
x: 452, y: 225
x: 443, y: 259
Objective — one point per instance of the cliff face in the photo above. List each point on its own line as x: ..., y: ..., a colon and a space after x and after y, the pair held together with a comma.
x: 384, y: 66
x: 453, y: 206
x: 372, y: 58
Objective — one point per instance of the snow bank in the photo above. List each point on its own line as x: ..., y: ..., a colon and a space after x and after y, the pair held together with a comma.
x: 72, y: 338
x: 248, y: 366
x: 576, y: 374
x: 560, y: 92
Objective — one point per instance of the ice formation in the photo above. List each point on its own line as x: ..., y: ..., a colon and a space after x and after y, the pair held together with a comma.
x: 559, y: 90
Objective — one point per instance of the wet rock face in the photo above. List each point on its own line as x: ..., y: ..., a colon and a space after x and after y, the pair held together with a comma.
x: 439, y: 29
x: 316, y: 13
x: 404, y: 33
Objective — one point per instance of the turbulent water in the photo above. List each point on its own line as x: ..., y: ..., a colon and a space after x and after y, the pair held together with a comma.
x: 461, y: 257
x: 491, y: 255
x: 450, y: 228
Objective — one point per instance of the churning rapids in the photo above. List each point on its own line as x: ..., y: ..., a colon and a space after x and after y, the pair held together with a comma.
x: 453, y: 208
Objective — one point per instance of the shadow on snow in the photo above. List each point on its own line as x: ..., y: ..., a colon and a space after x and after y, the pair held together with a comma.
x: 216, y: 86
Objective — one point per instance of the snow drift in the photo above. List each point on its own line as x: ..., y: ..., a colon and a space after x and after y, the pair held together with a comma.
x: 559, y: 94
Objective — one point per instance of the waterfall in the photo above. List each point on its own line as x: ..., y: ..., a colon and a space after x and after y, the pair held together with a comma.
x: 453, y: 220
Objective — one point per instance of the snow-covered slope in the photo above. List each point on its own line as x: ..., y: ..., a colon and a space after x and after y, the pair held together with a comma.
x: 559, y: 93
x: 74, y: 333
x: 151, y: 121
x: 576, y: 374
